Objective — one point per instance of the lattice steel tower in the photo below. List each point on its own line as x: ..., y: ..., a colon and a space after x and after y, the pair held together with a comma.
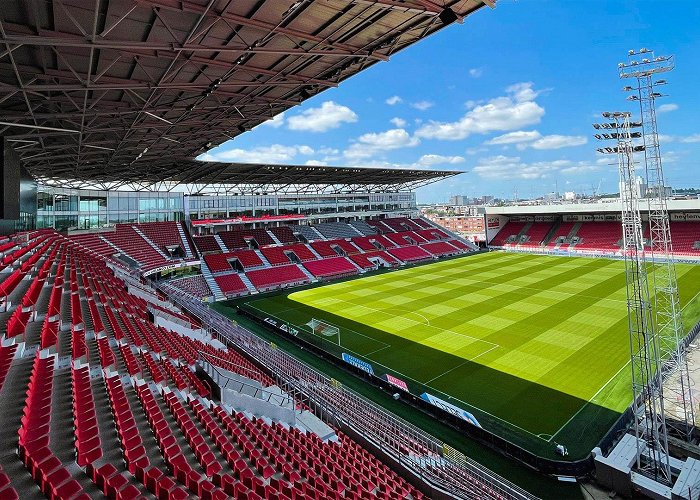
x: 648, y: 404
x: 643, y: 67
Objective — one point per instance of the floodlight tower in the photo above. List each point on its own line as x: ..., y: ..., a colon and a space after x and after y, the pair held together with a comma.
x: 643, y: 67
x: 648, y: 402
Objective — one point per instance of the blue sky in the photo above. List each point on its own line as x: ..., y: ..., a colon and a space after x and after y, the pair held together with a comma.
x: 508, y: 97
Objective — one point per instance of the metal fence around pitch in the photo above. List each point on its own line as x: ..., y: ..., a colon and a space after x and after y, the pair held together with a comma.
x: 423, y: 455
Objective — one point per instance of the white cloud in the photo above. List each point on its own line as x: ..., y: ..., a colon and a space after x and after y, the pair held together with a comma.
x: 367, y: 145
x: 276, y: 153
x: 398, y: 122
x: 510, y: 112
x: 326, y: 117
x: 430, y: 160
x: 422, y: 105
x: 275, y: 122
x: 687, y: 139
x: 559, y: 141
x: 514, y: 137
x: 666, y: 108
x: 691, y: 138
x: 476, y: 72
x: 394, y: 100
x: 512, y: 168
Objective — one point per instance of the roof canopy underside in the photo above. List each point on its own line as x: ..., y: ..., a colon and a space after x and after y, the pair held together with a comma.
x: 133, y: 90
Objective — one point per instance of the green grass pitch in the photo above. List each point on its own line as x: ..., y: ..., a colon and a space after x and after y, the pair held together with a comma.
x: 536, y: 347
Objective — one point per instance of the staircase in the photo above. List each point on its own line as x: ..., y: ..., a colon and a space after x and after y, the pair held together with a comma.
x: 263, y: 258
x: 274, y: 238
x: 320, y: 236
x: 220, y: 243
x: 313, y: 251
x: 522, y: 233
x: 248, y: 284
x: 307, y: 273
x: 185, y: 243
x: 153, y: 245
x: 356, y: 230
x: 213, y: 285
x: 551, y: 233
x: 572, y: 234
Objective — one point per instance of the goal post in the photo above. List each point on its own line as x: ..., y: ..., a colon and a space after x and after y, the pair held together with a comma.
x: 323, y: 328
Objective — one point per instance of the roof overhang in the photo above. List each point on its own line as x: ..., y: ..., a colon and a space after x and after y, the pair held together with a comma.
x: 125, y: 89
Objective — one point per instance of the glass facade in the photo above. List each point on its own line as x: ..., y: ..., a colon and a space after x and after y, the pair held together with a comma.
x: 65, y: 209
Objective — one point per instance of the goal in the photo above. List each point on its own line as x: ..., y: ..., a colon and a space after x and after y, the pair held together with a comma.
x: 320, y: 327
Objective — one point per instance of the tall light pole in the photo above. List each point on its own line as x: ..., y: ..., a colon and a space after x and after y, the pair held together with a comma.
x: 648, y: 403
x: 643, y: 68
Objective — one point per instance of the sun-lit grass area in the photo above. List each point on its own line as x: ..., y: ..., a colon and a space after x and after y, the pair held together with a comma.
x: 536, y: 347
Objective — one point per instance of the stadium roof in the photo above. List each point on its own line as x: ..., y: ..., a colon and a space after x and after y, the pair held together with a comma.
x: 201, y: 177
x: 135, y: 89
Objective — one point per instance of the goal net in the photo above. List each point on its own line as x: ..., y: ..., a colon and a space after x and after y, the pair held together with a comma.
x: 320, y: 327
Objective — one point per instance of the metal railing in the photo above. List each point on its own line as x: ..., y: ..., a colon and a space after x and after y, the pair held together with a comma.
x: 417, y: 451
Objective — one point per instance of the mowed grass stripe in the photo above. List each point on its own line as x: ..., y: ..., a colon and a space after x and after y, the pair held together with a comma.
x: 560, y: 324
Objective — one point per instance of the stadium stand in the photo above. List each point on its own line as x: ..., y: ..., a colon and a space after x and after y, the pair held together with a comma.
x: 235, y: 240
x: 328, y: 248
x: 410, y: 253
x: 193, y: 285
x: 369, y: 243
x: 334, y: 267
x: 535, y: 234
x: 441, y: 248
x: 405, y: 238
x: 281, y: 254
x: 363, y: 228
x: 686, y: 237
x: 206, y: 244
x: 603, y: 236
x: 284, y: 234
x: 221, y: 262
x: 309, y: 233
x: 363, y: 259
x: 269, y: 278
x: 335, y: 230
x: 378, y: 226
x: 164, y: 235
x: 508, y: 233
x: 561, y: 234
x: 231, y: 285
x: 400, y: 224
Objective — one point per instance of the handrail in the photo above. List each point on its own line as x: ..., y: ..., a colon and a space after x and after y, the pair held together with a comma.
x: 427, y: 458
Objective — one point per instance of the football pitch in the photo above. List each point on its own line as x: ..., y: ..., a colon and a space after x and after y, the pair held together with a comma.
x: 535, y: 347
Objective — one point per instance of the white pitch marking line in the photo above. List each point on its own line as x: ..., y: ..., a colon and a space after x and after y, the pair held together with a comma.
x: 461, y: 364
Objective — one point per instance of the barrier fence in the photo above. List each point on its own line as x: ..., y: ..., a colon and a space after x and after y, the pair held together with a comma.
x: 418, y: 452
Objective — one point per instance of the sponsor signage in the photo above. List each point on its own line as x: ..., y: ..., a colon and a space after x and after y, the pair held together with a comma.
x: 397, y: 382
x: 244, y: 219
x: 450, y: 408
x: 358, y: 363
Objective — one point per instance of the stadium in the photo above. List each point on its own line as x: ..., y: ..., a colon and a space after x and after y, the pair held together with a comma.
x: 175, y: 328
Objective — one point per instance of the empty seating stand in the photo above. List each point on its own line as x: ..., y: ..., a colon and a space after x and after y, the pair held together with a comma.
x: 536, y: 234
x: 335, y: 230
x: 440, y: 248
x: 194, y: 285
x: 281, y: 254
x: 164, y: 235
x: 330, y: 248
x: 410, y: 253
x: 370, y: 260
x: 284, y: 234
x: 334, y: 267
x: 231, y: 285
x: 599, y: 236
x: 269, y: 278
x: 222, y: 262
x: 507, y: 233
x: 206, y: 244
